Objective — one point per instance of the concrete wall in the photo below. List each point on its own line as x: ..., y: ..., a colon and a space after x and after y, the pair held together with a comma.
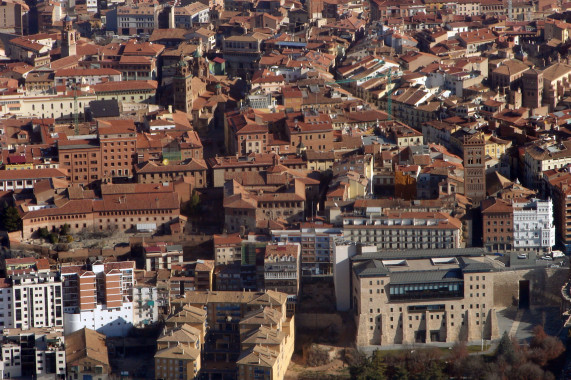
x: 545, y: 286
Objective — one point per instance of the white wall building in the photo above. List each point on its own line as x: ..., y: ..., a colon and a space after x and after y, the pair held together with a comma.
x: 33, y: 353
x: 542, y: 157
x: 107, y: 321
x: 100, y: 299
x: 342, y: 252
x: 36, y: 301
x: 316, y: 247
x: 533, y: 225
x: 145, y: 301
x: 5, y: 305
x: 11, y: 360
x: 86, y: 76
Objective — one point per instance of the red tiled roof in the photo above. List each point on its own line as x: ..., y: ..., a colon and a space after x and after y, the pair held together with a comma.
x: 8, y: 175
x: 130, y: 85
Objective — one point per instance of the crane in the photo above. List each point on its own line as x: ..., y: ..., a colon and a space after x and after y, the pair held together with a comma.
x: 387, y: 75
x: 75, y: 111
x: 75, y: 108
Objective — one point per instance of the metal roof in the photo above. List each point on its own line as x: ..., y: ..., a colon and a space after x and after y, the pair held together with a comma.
x: 416, y: 277
x: 420, y: 253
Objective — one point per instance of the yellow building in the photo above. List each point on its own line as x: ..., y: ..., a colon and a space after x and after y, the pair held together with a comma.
x: 257, y: 320
x: 176, y: 363
x: 19, y: 166
x: 260, y: 363
x: 319, y: 161
x: 496, y: 147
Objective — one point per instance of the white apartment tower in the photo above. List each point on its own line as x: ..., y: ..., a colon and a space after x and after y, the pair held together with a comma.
x: 533, y: 225
x: 37, y: 300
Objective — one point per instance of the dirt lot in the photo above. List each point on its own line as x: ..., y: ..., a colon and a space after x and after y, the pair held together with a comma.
x: 298, y: 371
x: 335, y: 338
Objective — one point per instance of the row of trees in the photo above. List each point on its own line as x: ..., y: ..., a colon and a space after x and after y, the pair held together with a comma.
x: 56, y: 237
x: 512, y: 360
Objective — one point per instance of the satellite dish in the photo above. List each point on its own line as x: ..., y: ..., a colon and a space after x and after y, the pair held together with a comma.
x: 165, y: 161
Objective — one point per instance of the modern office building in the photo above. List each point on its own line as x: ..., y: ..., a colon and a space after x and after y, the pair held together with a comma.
x: 423, y: 296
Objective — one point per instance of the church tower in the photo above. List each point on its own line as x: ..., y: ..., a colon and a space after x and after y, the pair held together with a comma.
x: 532, y: 81
x: 475, y: 168
x: 182, y: 86
x: 68, y: 38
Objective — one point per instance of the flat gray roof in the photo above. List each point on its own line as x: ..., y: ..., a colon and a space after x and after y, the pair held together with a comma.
x: 420, y: 254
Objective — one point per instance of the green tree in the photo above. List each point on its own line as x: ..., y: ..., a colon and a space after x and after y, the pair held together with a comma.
x: 192, y: 207
x: 43, y: 232
x: 372, y: 368
x: 11, y: 220
x: 505, y: 348
x: 64, y: 230
x: 400, y: 373
x: 53, y: 238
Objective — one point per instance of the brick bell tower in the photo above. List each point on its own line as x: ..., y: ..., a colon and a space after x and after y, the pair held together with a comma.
x: 182, y: 87
x: 68, y: 38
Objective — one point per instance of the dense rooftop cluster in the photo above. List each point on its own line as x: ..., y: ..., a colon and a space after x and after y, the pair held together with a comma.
x: 199, y: 168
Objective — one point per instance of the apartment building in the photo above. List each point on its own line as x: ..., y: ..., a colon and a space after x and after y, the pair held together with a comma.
x: 558, y: 188
x: 130, y: 90
x: 405, y: 230
x: 189, y: 316
x: 37, y: 300
x: 86, y: 355
x: 281, y: 271
x: 177, y: 362
x: 227, y: 249
x: 310, y: 130
x: 81, y: 158
x: 99, y: 297
x: 137, y: 19
x: 557, y: 29
x: 316, y: 246
x: 242, y: 53
x: 476, y: 41
x: 14, y: 17
x: 193, y: 169
x: 179, y: 346
x: 59, y: 107
x: 245, y: 210
x: 6, y: 295
x: 12, y: 180
x: 407, y: 297
x: 33, y: 352
x: 32, y: 295
x: 498, y: 225
x: 187, y: 16
x: 508, y: 74
x: 222, y: 168
x: 118, y: 140
x: 533, y: 225
x: 30, y: 51
x: 146, y: 304
x: 161, y: 255
x: 240, y: 327
x: 539, y: 158
x: 63, y: 77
